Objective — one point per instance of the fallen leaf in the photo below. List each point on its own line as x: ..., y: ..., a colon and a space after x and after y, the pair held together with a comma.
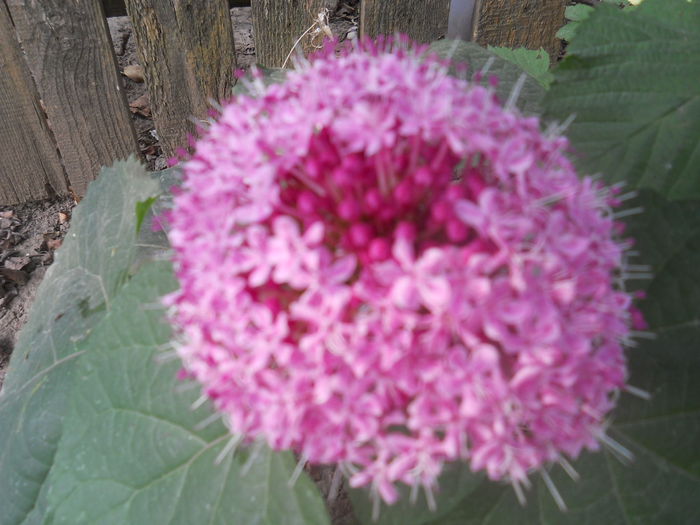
x: 63, y: 217
x: 141, y: 106
x: 16, y: 276
x: 16, y: 263
x: 53, y: 244
x: 134, y: 72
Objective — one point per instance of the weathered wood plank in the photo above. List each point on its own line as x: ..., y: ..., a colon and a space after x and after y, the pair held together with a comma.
x: 70, y: 55
x: 187, y: 51
x: 525, y: 23
x: 422, y: 20
x: 118, y: 7
x: 30, y: 168
x: 278, y: 24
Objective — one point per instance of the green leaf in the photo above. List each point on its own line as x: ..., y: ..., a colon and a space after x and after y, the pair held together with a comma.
x: 578, y: 12
x: 131, y: 452
x: 76, y: 293
x: 529, y: 100
x: 269, y: 75
x: 568, y: 31
x: 534, y: 62
x: 632, y: 78
x: 142, y: 208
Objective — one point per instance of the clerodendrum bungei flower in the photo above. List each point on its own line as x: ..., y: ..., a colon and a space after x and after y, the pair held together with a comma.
x: 383, y: 268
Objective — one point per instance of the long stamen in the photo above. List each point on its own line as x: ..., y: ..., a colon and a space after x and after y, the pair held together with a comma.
x: 208, y: 421
x: 622, y: 454
x: 257, y: 448
x: 229, y: 448
x: 303, y: 460
x: 515, y: 92
x: 519, y: 492
x: 638, y: 392
x: 568, y: 468
x: 200, y: 401
x: 553, y: 491
x: 335, y: 485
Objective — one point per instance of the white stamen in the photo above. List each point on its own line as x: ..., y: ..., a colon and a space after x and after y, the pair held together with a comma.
x: 413, y: 496
x: 203, y: 124
x: 453, y: 50
x: 213, y: 103
x: 553, y: 491
x: 304, y: 178
x: 519, y: 492
x: 628, y: 212
x: 638, y: 268
x: 642, y: 394
x: 257, y: 448
x: 430, y: 497
x: 186, y: 387
x: 229, y: 448
x: 206, y: 422
x: 637, y: 276
x: 335, y: 485
x: 569, y: 468
x: 200, y: 401
x: 486, y: 67
x: 164, y: 357
x: 515, y: 92
x: 561, y: 128
x: 297, y: 470
x: 622, y: 454
x: 627, y: 196
x: 643, y: 335
x: 152, y: 306
x: 376, y: 505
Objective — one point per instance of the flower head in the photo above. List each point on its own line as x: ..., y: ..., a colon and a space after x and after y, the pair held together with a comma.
x: 382, y: 267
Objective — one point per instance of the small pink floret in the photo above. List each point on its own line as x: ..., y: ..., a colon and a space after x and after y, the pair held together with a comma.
x: 381, y: 267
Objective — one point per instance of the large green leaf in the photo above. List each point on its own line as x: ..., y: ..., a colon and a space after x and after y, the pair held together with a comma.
x: 131, y: 452
x: 529, y: 98
x: 632, y: 78
x: 534, y: 62
x: 77, y: 291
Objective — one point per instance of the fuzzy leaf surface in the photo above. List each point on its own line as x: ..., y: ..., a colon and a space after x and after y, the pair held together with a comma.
x: 77, y: 292
x: 632, y: 78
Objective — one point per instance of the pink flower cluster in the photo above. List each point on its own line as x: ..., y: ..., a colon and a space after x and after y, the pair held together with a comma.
x: 383, y: 268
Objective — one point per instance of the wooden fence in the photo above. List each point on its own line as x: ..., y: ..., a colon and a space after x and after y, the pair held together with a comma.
x: 63, y: 111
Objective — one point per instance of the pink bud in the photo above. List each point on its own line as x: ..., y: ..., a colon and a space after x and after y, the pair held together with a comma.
x: 360, y: 234
x: 379, y: 249
x: 349, y: 209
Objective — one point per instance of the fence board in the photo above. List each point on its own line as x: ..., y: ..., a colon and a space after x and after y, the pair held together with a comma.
x: 30, y: 168
x: 278, y: 24
x: 69, y: 52
x: 422, y: 20
x: 525, y: 23
x: 187, y: 51
x: 118, y: 7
